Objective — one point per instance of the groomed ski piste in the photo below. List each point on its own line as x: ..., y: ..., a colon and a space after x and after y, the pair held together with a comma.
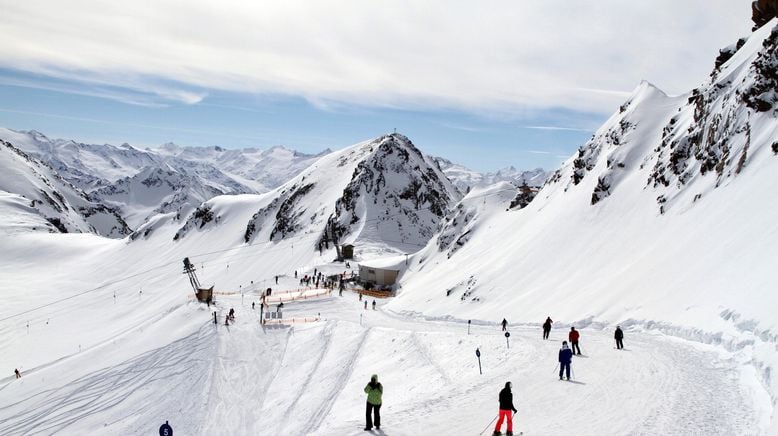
x: 126, y: 364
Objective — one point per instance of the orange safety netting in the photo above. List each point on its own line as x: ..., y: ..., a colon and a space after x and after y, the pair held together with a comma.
x: 376, y: 294
x: 291, y: 320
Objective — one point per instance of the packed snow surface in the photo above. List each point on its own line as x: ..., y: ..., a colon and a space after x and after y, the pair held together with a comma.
x: 126, y: 364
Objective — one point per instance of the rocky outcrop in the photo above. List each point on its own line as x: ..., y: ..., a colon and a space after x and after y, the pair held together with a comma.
x: 762, y: 11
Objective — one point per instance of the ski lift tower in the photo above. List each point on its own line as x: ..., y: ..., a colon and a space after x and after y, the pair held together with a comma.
x: 204, y: 295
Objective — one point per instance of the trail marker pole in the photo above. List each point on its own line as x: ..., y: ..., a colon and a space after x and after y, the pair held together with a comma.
x: 478, y: 355
x: 507, y: 343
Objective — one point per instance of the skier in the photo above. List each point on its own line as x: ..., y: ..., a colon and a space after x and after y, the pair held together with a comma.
x: 226, y: 320
x: 565, y: 357
x: 276, y: 279
x: 573, y: 337
x: 252, y: 305
x: 18, y: 374
x: 295, y: 273
x: 232, y: 314
x: 374, y: 391
x: 619, y: 335
x: 360, y: 296
x: 373, y: 304
x: 506, y: 407
x: 365, y: 304
x: 547, y: 327
x: 504, y: 324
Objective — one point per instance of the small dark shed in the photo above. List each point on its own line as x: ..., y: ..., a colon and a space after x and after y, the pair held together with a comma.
x: 347, y: 251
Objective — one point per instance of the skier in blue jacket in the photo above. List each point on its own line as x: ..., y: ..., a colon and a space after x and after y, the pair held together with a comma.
x: 565, y: 357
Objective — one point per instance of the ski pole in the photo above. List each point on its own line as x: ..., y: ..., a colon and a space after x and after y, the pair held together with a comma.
x: 487, y: 425
x: 555, y: 368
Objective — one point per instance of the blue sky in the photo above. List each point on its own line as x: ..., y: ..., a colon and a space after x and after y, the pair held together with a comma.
x: 482, y: 142
x: 511, y: 83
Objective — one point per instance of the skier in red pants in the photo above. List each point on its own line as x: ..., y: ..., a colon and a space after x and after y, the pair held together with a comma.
x: 506, y: 407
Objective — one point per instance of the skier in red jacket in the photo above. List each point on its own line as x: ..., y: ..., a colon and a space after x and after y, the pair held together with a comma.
x: 573, y: 337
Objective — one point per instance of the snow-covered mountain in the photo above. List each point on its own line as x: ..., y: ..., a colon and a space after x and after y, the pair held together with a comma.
x: 664, y: 223
x: 465, y: 179
x: 382, y: 193
x: 664, y: 220
x: 142, y: 183
x: 261, y: 170
x: 35, y: 197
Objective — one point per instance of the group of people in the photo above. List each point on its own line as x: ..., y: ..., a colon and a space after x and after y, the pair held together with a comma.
x: 565, y: 359
x: 229, y: 317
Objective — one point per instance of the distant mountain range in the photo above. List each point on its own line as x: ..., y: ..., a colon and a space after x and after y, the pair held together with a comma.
x: 139, y: 184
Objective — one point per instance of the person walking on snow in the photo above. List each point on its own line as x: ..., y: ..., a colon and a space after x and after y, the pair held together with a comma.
x: 565, y: 358
x: 374, y: 391
x: 573, y: 338
x: 504, y: 324
x: 506, y: 407
x: 619, y: 336
x: 547, y: 327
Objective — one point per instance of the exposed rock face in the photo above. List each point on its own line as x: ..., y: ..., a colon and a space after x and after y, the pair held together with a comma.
x: 66, y: 208
x: 397, y: 185
x: 763, y: 11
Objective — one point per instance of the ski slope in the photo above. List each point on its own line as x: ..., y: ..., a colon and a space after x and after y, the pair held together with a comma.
x: 156, y: 355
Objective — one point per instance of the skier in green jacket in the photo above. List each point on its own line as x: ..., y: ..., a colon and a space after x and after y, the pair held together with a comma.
x: 374, y: 390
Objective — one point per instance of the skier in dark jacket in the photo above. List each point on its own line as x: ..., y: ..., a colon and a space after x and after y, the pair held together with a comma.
x: 619, y: 336
x: 374, y: 391
x: 573, y: 337
x: 547, y: 327
x: 565, y: 357
x: 18, y: 374
x: 504, y: 324
x: 506, y: 407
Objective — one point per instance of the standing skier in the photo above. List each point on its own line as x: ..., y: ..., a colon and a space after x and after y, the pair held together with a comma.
x: 506, y: 407
x: 504, y: 324
x: 374, y: 391
x: 565, y: 357
x: 619, y: 336
x: 276, y: 279
x: 365, y: 304
x: 18, y: 374
x: 573, y: 337
x: 547, y: 327
x: 373, y: 304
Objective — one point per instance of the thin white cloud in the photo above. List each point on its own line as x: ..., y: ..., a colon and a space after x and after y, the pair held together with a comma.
x: 538, y: 152
x: 573, y: 129
x: 503, y: 55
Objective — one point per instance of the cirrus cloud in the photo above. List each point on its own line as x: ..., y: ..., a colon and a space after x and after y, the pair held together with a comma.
x: 498, y: 56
